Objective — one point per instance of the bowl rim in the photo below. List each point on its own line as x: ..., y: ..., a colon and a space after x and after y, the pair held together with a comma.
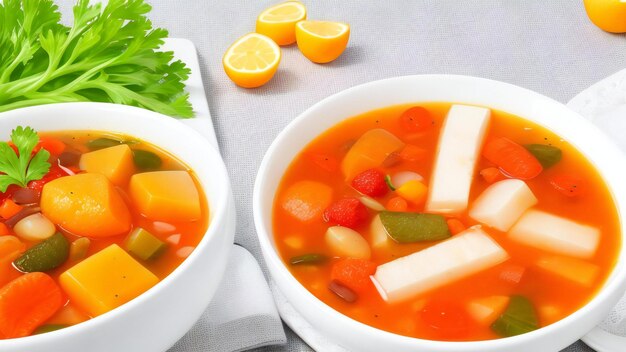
x: 276, y: 267
x: 220, y: 204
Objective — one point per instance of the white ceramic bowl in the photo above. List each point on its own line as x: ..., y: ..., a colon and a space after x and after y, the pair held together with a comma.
x: 155, y: 320
x: 544, y: 111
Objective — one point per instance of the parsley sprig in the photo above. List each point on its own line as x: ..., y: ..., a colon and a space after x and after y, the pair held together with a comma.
x: 20, y: 168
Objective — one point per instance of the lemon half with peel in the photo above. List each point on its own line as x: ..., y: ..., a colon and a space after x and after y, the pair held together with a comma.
x: 252, y: 60
x: 322, y: 41
x: 279, y: 22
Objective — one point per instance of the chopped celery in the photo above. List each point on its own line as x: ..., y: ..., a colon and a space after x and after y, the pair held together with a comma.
x: 79, y: 248
x: 145, y: 160
x: 307, y: 259
x: 144, y: 245
x: 518, y: 318
x: 389, y: 183
x: 414, y: 227
x: 44, y: 256
x: 546, y: 154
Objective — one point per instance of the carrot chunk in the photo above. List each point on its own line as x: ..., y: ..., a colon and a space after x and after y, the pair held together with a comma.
x: 27, y: 302
x: 53, y: 145
x: 353, y: 273
x: 306, y: 200
x: 397, y: 204
x: 513, y: 159
x: 9, y: 208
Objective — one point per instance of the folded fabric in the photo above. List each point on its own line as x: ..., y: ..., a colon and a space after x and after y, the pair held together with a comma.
x: 242, y: 314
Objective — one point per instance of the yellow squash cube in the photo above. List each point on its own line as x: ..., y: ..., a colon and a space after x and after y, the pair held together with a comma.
x: 116, y: 163
x: 166, y: 195
x: 106, y: 280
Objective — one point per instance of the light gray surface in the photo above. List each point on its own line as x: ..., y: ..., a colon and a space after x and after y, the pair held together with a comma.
x: 547, y: 46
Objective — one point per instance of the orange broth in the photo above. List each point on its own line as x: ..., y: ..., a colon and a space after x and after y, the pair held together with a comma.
x: 190, y: 232
x: 553, y: 297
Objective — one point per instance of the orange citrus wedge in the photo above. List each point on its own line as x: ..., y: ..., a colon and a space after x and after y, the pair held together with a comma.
x: 252, y: 60
x: 279, y: 22
x: 322, y: 41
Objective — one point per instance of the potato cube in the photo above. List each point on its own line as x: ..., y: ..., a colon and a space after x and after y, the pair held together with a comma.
x: 116, y: 163
x: 106, y: 280
x: 166, y: 195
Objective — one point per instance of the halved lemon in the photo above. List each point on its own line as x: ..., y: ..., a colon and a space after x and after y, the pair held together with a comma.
x: 279, y: 22
x: 252, y: 60
x: 322, y: 41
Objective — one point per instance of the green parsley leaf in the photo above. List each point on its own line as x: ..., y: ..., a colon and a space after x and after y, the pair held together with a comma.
x: 109, y: 54
x: 19, y: 169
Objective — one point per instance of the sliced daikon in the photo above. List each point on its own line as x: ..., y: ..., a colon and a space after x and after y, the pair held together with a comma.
x: 502, y: 204
x: 458, y: 151
x: 463, y: 255
x: 572, y: 269
x: 556, y: 234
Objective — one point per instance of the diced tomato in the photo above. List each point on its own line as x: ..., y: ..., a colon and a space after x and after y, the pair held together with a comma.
x: 568, y: 185
x: 413, y: 153
x: 353, y: 273
x: 27, y: 302
x: 492, y: 175
x: 8, y: 208
x: 455, y: 226
x: 326, y: 162
x: 54, y: 173
x: 371, y: 183
x: 53, y: 145
x: 416, y: 119
x: 397, y: 204
x: 512, y: 158
x: 447, y: 319
x: 348, y: 212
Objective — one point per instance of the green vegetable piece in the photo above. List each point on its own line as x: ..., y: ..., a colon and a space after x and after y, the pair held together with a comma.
x: 48, y: 328
x: 414, y: 227
x: 111, y: 54
x: 308, y: 259
x: 145, y: 160
x: 144, y: 245
x: 546, y: 154
x: 388, y: 182
x: 44, y: 256
x: 101, y: 143
x: 518, y: 318
x: 20, y: 168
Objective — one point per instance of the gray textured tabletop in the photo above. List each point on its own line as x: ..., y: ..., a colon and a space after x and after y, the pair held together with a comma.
x: 547, y: 46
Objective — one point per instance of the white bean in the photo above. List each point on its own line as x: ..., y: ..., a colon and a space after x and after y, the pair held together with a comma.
x: 345, y: 242
x: 35, y: 227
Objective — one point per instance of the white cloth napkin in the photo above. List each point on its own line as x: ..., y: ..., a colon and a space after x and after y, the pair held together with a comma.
x: 242, y: 314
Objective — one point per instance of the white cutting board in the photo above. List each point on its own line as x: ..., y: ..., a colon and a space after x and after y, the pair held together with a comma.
x: 185, y: 51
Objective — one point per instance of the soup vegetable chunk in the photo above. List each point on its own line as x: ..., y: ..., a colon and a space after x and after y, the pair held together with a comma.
x: 446, y: 222
x: 88, y: 221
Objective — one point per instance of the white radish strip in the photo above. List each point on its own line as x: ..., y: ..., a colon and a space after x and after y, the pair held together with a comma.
x: 556, y: 234
x: 173, y: 239
x: 184, y: 252
x: 502, y: 204
x: 371, y: 203
x: 463, y: 255
x: 402, y: 177
x: 459, y: 148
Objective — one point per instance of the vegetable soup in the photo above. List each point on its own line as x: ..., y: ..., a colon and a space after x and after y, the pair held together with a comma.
x: 446, y: 222
x: 88, y: 221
